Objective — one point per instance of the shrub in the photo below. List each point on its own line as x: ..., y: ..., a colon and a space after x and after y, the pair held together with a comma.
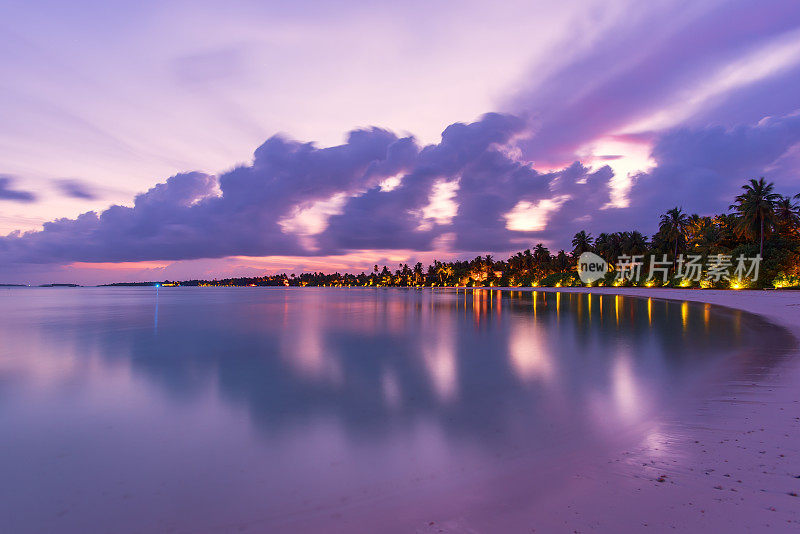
x: 567, y: 279
x: 784, y: 281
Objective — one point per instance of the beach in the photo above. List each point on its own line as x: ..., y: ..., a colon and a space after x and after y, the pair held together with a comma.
x: 734, y: 466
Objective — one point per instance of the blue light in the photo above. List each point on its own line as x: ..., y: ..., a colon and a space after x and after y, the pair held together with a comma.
x: 158, y: 285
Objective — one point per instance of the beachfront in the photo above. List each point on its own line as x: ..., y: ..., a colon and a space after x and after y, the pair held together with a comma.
x: 743, y: 447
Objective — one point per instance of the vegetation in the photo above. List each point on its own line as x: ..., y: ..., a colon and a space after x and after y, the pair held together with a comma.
x: 760, y: 222
x: 755, y: 209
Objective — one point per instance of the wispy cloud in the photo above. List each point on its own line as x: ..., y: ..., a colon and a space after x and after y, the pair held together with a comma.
x: 7, y: 192
x: 73, y: 188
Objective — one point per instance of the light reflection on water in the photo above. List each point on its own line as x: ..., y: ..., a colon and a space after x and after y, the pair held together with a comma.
x: 128, y: 410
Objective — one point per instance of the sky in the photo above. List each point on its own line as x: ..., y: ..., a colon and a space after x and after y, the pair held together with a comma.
x: 153, y: 140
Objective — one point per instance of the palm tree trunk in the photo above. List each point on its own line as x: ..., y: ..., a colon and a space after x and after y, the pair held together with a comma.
x: 675, y: 257
x: 761, y: 245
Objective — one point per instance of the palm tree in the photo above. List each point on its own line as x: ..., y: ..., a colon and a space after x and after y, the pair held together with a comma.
x: 787, y: 214
x: 602, y: 245
x: 756, y: 209
x: 614, y: 245
x: 697, y: 228
x: 528, y: 259
x: 724, y: 231
x: 634, y: 243
x: 582, y: 242
x: 673, y: 227
x: 541, y: 260
x: 541, y: 255
x: 418, y: 273
x: 562, y: 261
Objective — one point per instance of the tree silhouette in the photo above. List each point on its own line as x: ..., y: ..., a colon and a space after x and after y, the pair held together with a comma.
x: 582, y: 242
x: 787, y: 215
x: 673, y: 226
x: 755, y: 208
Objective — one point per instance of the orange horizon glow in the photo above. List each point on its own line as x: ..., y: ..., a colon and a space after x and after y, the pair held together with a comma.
x: 120, y: 266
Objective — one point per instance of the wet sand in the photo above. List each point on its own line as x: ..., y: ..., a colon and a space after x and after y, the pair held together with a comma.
x: 732, y: 466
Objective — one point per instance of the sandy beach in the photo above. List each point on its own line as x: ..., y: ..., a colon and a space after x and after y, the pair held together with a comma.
x: 734, y: 466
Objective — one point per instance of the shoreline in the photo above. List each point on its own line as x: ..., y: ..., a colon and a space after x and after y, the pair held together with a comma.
x: 733, y: 466
x: 781, y: 307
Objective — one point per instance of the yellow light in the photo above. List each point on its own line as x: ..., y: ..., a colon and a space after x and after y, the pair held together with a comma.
x: 685, y: 314
x: 685, y: 282
x: 736, y: 285
x: 649, y: 284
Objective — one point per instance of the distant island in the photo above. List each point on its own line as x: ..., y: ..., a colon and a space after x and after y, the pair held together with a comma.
x: 137, y: 284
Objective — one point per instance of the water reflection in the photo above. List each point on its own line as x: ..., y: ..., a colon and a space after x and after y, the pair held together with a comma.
x: 155, y: 314
x: 529, y: 355
x: 332, y: 349
x: 323, y: 390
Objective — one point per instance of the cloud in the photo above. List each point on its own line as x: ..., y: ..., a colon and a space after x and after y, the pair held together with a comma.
x: 463, y: 188
x: 474, y: 189
x: 76, y: 189
x: 702, y: 169
x: 396, y: 218
x: 297, y: 199
x: 195, y: 215
x: 16, y: 195
x: 645, y: 72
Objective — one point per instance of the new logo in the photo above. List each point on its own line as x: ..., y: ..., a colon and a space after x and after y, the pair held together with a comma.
x: 591, y: 267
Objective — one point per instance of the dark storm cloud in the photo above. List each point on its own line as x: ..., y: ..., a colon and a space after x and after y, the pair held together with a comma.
x: 16, y: 195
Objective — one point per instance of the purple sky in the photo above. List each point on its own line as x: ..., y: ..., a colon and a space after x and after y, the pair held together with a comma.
x: 178, y: 139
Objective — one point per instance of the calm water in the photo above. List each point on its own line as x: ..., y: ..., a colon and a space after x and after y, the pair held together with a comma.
x: 270, y: 410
